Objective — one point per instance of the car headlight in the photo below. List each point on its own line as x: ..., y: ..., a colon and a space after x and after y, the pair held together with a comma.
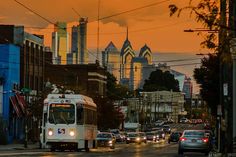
x: 72, y: 133
x: 110, y: 142
x: 50, y: 132
x: 128, y: 138
x: 154, y: 136
x: 138, y: 139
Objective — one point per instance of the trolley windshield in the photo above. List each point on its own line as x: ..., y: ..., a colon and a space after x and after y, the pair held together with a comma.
x: 62, y: 113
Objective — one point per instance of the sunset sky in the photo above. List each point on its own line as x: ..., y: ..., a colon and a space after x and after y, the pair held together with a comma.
x: 150, y: 25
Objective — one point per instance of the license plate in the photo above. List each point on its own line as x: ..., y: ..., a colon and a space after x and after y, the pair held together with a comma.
x: 193, y: 140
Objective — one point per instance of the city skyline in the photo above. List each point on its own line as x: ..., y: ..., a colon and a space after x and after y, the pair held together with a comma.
x: 149, y: 25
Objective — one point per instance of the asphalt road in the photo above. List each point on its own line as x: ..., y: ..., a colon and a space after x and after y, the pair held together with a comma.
x: 161, y: 149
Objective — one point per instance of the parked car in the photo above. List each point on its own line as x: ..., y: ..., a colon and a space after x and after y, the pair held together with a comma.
x: 136, y: 137
x: 106, y: 139
x: 194, y: 141
x: 174, y: 136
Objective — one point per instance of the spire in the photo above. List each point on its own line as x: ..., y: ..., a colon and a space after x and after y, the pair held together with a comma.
x: 127, y: 33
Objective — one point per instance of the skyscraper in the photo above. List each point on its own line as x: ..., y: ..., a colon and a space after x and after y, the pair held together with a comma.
x: 60, y: 43
x: 111, y: 60
x: 79, y: 42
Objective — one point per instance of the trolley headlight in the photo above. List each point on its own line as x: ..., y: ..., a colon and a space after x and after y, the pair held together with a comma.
x: 50, y: 132
x: 72, y: 133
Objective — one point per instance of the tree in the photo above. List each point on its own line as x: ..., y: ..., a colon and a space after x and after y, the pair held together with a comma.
x: 159, y: 80
x: 116, y: 91
x: 207, y: 13
x: 108, y: 116
x: 209, y: 83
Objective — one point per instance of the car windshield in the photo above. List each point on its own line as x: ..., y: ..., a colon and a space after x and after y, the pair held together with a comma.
x: 62, y: 113
x: 104, y: 135
x: 132, y: 135
x: 166, y: 126
x: 175, y: 134
x: 150, y: 133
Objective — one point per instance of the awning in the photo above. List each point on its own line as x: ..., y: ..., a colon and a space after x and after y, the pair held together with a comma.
x: 22, y: 103
x: 15, y: 106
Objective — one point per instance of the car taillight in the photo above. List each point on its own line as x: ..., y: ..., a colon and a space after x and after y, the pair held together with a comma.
x: 205, y: 140
x: 183, y: 139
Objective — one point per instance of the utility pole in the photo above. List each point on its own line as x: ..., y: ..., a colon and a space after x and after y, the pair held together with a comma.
x: 225, y: 82
x: 232, y: 25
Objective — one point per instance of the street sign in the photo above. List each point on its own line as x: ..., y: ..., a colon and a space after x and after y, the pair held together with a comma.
x: 26, y: 90
x: 225, y: 89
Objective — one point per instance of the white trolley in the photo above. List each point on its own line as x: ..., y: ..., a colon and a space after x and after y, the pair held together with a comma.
x: 69, y: 122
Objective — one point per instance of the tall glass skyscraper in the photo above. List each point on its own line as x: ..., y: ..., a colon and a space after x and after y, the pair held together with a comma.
x: 60, y: 43
x: 79, y: 42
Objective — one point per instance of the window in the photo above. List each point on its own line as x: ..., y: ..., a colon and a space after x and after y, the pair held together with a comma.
x: 62, y: 114
x: 80, y: 115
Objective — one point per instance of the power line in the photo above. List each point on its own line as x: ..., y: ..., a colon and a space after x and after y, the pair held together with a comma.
x: 34, y: 12
x: 76, y: 12
x: 132, y: 10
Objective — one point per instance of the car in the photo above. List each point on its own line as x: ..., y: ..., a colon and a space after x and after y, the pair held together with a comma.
x: 152, y: 136
x: 174, y: 136
x: 161, y: 134
x: 194, y: 141
x: 136, y: 137
x: 159, y: 123
x: 184, y: 120
x: 105, y: 139
x: 166, y: 129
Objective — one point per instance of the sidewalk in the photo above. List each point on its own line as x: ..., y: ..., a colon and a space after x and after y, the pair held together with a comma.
x: 221, y: 155
x: 19, y: 146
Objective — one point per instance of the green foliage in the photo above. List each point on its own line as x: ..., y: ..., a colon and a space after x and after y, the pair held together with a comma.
x: 115, y: 91
x: 108, y: 116
x: 207, y: 77
x: 207, y: 13
x: 159, y: 80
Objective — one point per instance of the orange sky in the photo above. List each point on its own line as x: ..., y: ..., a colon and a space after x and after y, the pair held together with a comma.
x: 151, y: 25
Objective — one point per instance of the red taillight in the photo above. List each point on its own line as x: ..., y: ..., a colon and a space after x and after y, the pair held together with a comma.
x: 205, y: 140
x: 183, y: 139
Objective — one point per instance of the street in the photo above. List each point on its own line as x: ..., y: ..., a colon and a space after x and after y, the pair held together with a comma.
x: 151, y: 149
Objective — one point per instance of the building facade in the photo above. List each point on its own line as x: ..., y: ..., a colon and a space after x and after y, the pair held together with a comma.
x: 11, y: 121
x: 87, y: 79
x: 111, y: 60
x: 130, y: 70
x: 31, y: 62
x: 60, y: 41
x: 79, y: 42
